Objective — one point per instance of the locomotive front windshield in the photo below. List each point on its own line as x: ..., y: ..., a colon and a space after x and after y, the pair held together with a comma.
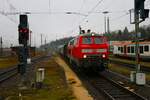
x: 93, y: 40
x: 86, y: 40
x: 98, y: 40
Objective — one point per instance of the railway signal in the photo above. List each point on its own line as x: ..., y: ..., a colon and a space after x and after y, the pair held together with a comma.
x: 140, y: 8
x: 139, y: 4
x: 144, y: 13
x: 21, y: 54
x: 23, y: 35
x: 23, y: 30
x: 139, y: 12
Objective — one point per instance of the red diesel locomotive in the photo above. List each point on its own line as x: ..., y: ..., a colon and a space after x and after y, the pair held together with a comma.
x: 88, y: 51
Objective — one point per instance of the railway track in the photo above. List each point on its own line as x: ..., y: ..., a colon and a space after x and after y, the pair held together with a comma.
x: 12, y: 71
x: 143, y: 68
x: 8, y: 73
x: 98, y: 84
x: 103, y: 88
x: 113, y: 90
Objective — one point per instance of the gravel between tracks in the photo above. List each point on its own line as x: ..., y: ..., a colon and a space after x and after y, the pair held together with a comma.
x: 142, y: 90
x: 10, y: 86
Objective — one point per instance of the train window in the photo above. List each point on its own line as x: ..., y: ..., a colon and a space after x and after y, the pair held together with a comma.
x: 75, y: 41
x: 98, y: 40
x: 86, y: 40
x: 132, y: 49
x: 129, y: 49
x: 71, y: 42
x: 121, y: 49
x: 118, y: 48
x: 146, y: 48
x: 141, y: 49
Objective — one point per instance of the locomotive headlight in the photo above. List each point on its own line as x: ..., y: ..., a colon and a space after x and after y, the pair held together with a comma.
x: 103, y: 56
x: 84, y: 56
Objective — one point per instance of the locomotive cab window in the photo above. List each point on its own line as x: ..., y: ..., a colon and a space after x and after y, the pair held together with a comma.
x: 71, y: 42
x: 86, y: 40
x: 146, y: 48
x: 98, y: 40
x: 75, y: 41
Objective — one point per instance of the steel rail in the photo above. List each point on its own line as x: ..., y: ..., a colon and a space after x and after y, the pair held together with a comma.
x: 123, y: 93
x: 10, y: 72
x: 108, y: 87
x: 98, y: 84
x: 124, y: 64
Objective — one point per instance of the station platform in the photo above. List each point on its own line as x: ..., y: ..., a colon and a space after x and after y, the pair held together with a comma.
x: 74, y: 82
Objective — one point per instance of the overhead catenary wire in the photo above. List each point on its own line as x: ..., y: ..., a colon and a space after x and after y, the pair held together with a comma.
x: 108, y: 5
x: 115, y: 11
x: 93, y: 8
x: 80, y: 9
x: 117, y: 18
x: 114, y: 19
x: 12, y: 8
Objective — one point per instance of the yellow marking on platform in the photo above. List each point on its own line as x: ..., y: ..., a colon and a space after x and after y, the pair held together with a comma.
x: 79, y: 91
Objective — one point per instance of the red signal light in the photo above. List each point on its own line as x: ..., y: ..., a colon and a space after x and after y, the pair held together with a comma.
x: 25, y: 30
x: 20, y: 30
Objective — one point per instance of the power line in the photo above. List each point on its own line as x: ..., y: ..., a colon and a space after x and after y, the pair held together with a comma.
x: 82, y: 5
x: 6, y: 15
x: 95, y: 7
x: 108, y: 5
x: 117, y: 11
x: 99, y: 2
x: 12, y: 8
x: 117, y: 18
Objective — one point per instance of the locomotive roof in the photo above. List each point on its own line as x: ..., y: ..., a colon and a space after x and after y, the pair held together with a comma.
x: 90, y: 34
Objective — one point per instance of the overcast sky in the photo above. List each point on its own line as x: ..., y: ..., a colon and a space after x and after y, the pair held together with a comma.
x: 48, y: 17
